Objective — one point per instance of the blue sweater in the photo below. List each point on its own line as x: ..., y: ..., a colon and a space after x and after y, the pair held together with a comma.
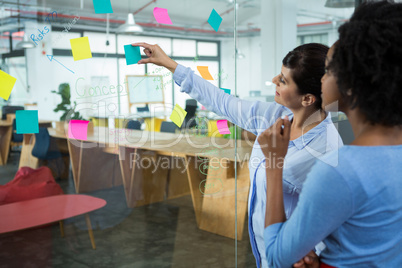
x: 354, y: 206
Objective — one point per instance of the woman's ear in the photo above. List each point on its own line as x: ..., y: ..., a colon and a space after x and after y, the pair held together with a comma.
x: 308, y: 100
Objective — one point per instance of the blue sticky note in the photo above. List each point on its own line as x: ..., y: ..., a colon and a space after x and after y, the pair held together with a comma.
x: 215, y: 20
x: 226, y: 90
x: 133, y: 54
x: 102, y: 6
x: 27, y: 122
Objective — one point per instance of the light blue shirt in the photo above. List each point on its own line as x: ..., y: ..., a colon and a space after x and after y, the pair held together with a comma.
x: 355, y: 206
x: 256, y: 116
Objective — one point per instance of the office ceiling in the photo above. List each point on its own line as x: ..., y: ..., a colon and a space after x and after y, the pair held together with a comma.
x: 186, y: 14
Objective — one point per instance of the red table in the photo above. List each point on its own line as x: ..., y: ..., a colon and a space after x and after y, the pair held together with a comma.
x: 35, y: 212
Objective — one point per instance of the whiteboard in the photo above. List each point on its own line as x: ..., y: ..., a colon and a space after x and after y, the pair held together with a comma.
x: 145, y: 89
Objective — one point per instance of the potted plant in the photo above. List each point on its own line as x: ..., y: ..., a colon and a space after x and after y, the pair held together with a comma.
x: 65, y: 105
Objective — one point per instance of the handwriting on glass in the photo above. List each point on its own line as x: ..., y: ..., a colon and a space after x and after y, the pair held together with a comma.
x: 42, y: 33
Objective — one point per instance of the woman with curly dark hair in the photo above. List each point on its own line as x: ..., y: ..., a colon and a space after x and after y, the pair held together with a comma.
x: 355, y: 207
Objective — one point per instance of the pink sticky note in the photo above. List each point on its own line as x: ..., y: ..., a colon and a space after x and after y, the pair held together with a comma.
x: 161, y: 15
x: 223, y: 126
x: 78, y: 129
x: 203, y: 108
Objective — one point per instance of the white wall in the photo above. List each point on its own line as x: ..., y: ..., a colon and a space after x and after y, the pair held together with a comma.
x: 248, y: 68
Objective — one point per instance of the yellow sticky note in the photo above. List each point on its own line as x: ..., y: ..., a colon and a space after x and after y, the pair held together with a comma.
x: 178, y: 115
x: 204, y: 72
x: 80, y: 48
x: 7, y: 83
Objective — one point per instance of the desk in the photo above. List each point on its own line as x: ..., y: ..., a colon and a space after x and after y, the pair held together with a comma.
x: 35, y: 212
x: 6, y: 130
x: 148, y: 183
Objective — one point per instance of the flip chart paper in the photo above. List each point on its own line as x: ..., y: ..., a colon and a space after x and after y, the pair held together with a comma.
x: 226, y: 90
x: 178, y: 115
x: 133, y: 54
x: 215, y: 20
x: 80, y: 48
x: 204, y: 72
x: 7, y: 83
x: 27, y: 122
x: 78, y: 129
x: 102, y: 6
x: 223, y: 126
x: 161, y: 15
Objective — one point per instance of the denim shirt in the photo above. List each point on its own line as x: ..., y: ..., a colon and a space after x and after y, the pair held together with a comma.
x: 256, y: 116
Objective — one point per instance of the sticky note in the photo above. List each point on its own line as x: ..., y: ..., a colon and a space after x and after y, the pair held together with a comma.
x: 78, y: 129
x: 215, y: 20
x: 204, y: 72
x: 27, y: 122
x: 102, y: 6
x: 133, y: 54
x: 161, y: 15
x: 7, y: 83
x: 223, y: 126
x: 226, y: 90
x: 80, y: 48
x: 178, y: 115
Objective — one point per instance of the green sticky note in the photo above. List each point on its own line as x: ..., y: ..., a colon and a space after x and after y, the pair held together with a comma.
x: 7, y: 83
x: 133, y: 54
x: 102, y: 6
x: 226, y: 90
x: 215, y: 20
x: 178, y: 115
x: 27, y: 122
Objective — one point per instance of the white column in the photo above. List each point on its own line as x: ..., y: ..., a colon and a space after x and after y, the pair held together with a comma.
x: 278, y: 37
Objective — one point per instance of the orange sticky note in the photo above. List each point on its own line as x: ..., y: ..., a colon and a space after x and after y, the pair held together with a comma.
x: 204, y: 72
x: 7, y: 83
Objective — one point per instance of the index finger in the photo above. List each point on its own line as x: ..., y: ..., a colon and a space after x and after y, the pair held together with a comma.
x: 144, y: 45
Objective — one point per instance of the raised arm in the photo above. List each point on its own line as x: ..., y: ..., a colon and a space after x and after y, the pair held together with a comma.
x: 249, y: 115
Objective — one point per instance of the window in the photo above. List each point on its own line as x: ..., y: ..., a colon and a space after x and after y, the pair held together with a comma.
x: 207, y: 49
x: 184, y: 48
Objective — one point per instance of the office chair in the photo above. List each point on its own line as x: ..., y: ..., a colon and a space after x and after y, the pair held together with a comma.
x: 142, y: 109
x: 191, y: 102
x: 10, y: 110
x: 168, y: 127
x: 16, y: 139
x: 41, y: 149
x: 191, y: 108
x: 134, y: 124
x: 44, y: 150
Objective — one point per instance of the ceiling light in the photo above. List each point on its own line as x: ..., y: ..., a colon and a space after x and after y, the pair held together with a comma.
x: 239, y: 55
x: 25, y: 43
x: 130, y: 26
x: 340, y: 3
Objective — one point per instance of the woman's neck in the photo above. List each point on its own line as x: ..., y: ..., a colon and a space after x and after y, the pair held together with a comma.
x: 306, y: 119
x: 367, y: 134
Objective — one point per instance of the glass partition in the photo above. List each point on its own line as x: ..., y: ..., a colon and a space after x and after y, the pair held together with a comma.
x: 168, y: 168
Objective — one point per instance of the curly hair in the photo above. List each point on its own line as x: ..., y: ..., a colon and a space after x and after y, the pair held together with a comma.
x: 307, y: 63
x: 367, y: 62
